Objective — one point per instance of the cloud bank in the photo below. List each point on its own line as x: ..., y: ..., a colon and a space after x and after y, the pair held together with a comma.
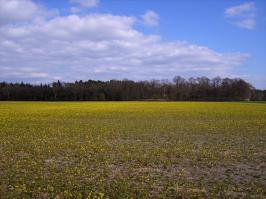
x: 96, y: 46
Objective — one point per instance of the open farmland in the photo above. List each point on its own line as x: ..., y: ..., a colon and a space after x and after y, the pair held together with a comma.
x: 132, y: 150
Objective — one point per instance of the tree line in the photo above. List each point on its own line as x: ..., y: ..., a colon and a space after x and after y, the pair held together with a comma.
x: 180, y: 89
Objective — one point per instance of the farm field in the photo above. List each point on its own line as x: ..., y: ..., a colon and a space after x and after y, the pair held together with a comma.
x: 132, y: 150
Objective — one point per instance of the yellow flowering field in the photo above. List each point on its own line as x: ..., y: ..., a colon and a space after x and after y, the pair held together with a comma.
x: 132, y: 150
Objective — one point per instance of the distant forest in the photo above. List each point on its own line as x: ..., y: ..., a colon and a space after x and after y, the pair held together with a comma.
x: 180, y: 89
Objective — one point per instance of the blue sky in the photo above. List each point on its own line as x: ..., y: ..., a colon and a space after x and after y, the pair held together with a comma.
x: 46, y: 40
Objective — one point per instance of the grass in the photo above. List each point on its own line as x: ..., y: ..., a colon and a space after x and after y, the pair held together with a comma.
x: 132, y: 150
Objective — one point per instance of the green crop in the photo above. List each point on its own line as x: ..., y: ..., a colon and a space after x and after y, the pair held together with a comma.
x: 132, y: 150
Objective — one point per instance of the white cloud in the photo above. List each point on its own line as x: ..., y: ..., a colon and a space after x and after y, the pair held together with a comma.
x: 86, y: 3
x: 14, y: 11
x: 150, y: 18
x: 247, y: 23
x: 245, y: 8
x: 75, y: 10
x: 101, y: 46
x: 243, y: 15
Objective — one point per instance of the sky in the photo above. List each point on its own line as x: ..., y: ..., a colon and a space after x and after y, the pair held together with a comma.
x: 46, y: 40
